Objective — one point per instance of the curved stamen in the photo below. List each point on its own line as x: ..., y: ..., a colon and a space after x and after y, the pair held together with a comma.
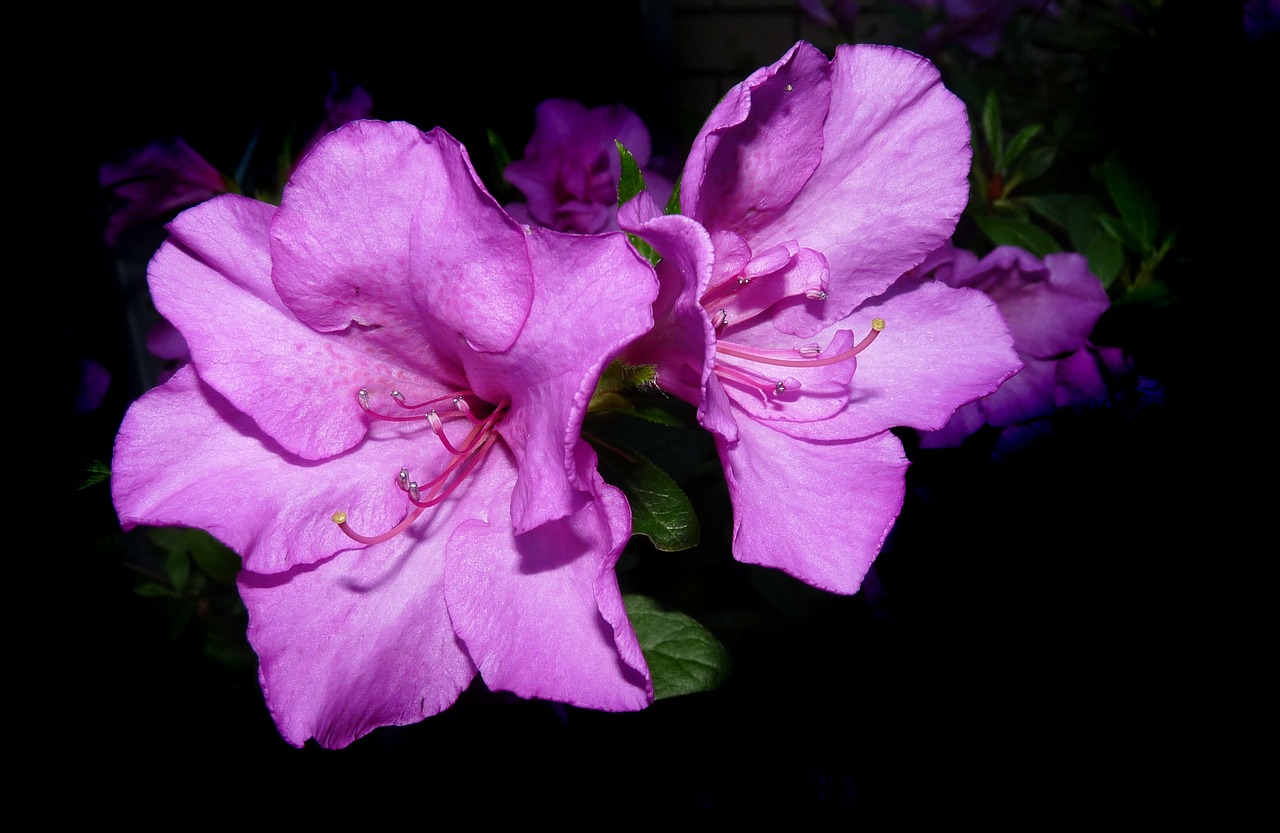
x: 465, y: 457
x: 340, y: 518
x: 877, y: 324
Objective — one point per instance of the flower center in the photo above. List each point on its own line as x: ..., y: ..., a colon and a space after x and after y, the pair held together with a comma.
x: 464, y: 455
x: 757, y: 286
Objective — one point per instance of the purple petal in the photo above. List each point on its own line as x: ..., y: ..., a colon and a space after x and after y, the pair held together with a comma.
x: 1052, y: 305
x: 940, y: 348
x: 356, y: 642
x: 1029, y: 393
x: 213, y: 281
x: 225, y: 476
x: 159, y: 178
x: 681, y: 344
x: 540, y: 612
x: 379, y: 215
x: 893, y: 178
x: 818, y: 511
x: 760, y: 146
x: 594, y: 297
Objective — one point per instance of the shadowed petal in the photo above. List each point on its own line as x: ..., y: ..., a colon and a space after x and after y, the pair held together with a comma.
x: 594, y: 296
x: 540, y: 612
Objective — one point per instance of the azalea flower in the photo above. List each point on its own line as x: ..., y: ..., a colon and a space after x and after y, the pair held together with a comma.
x: 381, y: 415
x: 570, y: 169
x: 811, y: 189
x: 978, y: 25
x: 1051, y: 306
x: 168, y: 175
x: 155, y: 180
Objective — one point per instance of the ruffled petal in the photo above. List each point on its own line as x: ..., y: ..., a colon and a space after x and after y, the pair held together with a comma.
x: 818, y: 511
x: 894, y: 174
x: 760, y: 146
x: 212, y: 280
x: 379, y: 215
x: 595, y: 296
x: 540, y: 612
x: 681, y: 344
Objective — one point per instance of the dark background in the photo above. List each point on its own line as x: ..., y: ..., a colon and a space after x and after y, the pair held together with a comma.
x: 1031, y: 644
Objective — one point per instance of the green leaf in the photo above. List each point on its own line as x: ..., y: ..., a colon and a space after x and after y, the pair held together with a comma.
x: 1106, y: 257
x: 991, y: 130
x: 95, y: 472
x: 152, y: 590
x: 1019, y: 142
x: 178, y: 567
x: 1018, y: 233
x: 632, y: 180
x: 660, y: 510
x: 673, y: 204
x: 212, y: 556
x: 1032, y: 166
x: 1121, y: 231
x: 1134, y: 200
x: 501, y: 156
x: 683, y: 656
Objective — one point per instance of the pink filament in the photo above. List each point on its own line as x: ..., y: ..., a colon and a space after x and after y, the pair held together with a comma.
x: 472, y: 451
x: 745, y: 353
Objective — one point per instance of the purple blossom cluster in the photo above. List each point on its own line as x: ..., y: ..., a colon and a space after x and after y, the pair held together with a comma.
x: 385, y: 376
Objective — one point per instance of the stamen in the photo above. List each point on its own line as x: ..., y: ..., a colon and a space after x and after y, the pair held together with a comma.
x: 340, y: 518
x: 766, y: 389
x: 719, y: 319
x: 877, y: 324
x: 815, y: 295
x: 465, y: 457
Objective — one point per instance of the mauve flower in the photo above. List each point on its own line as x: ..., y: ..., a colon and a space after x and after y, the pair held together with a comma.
x: 381, y: 415
x: 570, y: 169
x: 1051, y: 306
x: 978, y: 25
x: 343, y: 103
x: 811, y: 189
x: 155, y: 180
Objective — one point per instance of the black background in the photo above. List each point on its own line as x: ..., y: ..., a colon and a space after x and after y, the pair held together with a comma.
x: 1031, y: 648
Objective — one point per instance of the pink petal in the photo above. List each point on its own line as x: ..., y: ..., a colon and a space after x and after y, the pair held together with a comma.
x: 213, y: 281
x: 540, y: 612
x: 893, y: 178
x: 227, y: 477
x: 818, y: 511
x: 356, y: 642
x: 594, y: 297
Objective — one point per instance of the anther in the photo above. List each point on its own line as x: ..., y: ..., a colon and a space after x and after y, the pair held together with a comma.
x: 403, y: 480
x: 397, y: 396
x: 363, y: 396
x: 719, y: 319
x: 779, y: 389
x: 815, y: 295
